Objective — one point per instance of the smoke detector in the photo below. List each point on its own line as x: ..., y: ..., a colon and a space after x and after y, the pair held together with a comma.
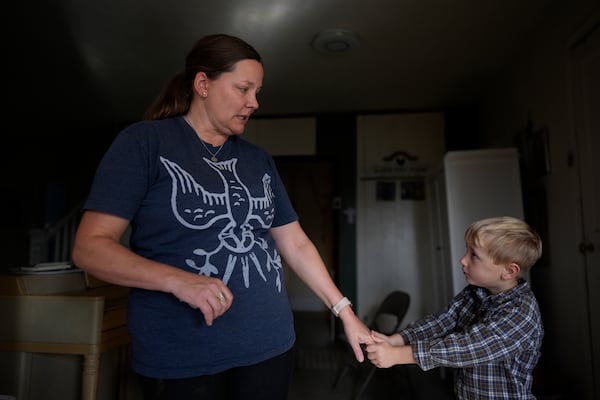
x: 334, y: 41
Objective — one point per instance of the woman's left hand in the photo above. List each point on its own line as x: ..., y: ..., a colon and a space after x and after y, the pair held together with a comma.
x: 356, y: 332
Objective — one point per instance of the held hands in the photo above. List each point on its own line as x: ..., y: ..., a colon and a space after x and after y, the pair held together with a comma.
x: 210, y: 295
x: 386, y: 351
x: 394, y: 339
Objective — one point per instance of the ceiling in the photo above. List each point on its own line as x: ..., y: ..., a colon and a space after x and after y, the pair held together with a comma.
x: 115, y: 55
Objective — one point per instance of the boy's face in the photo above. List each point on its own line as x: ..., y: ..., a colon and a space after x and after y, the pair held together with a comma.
x: 480, y: 270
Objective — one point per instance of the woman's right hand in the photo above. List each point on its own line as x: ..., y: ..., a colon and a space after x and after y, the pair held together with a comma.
x: 97, y: 250
x: 210, y: 295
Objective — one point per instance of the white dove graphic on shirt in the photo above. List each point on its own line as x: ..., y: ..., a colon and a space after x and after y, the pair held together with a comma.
x: 197, y: 208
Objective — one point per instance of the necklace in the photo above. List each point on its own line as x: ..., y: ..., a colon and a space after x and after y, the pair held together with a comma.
x: 213, y: 156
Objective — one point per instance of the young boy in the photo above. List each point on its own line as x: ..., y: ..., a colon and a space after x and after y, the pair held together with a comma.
x: 491, y: 332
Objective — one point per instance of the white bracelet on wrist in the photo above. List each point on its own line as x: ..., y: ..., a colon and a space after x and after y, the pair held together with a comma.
x: 339, y: 306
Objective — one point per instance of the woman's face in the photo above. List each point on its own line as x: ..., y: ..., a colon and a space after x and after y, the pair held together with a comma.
x: 232, y: 97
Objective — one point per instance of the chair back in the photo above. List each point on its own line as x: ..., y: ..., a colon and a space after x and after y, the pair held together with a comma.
x: 391, y: 312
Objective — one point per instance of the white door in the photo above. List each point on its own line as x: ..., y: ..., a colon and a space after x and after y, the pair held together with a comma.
x: 586, y: 91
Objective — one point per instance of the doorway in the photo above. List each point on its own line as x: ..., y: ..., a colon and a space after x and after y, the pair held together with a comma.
x: 310, y: 187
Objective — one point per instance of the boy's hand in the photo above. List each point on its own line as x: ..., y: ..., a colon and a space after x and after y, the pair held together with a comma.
x: 384, y: 355
x: 381, y: 354
x: 394, y: 340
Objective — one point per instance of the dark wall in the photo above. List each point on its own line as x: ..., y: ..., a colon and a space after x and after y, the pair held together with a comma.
x: 336, y: 141
x: 462, y: 128
x: 58, y: 129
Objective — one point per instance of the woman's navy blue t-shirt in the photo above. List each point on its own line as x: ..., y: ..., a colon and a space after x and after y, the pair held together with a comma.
x: 209, y: 218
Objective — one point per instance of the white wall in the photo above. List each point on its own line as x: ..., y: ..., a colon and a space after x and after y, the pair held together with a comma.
x: 393, y: 237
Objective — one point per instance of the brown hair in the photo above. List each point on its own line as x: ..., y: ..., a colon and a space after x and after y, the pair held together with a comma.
x: 506, y: 239
x: 213, y: 55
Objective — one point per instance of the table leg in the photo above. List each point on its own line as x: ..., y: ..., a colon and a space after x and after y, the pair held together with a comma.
x: 89, y: 378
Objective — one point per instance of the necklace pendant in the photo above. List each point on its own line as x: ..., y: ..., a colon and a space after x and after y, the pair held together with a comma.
x: 214, y: 159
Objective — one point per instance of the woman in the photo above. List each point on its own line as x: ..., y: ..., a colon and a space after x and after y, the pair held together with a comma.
x: 210, y: 223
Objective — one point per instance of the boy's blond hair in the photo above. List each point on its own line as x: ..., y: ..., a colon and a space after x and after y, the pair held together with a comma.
x: 506, y: 240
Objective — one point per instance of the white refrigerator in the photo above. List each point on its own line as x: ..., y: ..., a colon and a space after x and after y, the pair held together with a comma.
x: 472, y: 185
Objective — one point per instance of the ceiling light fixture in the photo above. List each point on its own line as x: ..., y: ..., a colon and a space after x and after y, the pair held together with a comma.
x: 334, y: 41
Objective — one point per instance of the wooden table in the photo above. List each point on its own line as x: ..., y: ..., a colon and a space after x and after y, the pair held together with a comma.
x: 83, y: 322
